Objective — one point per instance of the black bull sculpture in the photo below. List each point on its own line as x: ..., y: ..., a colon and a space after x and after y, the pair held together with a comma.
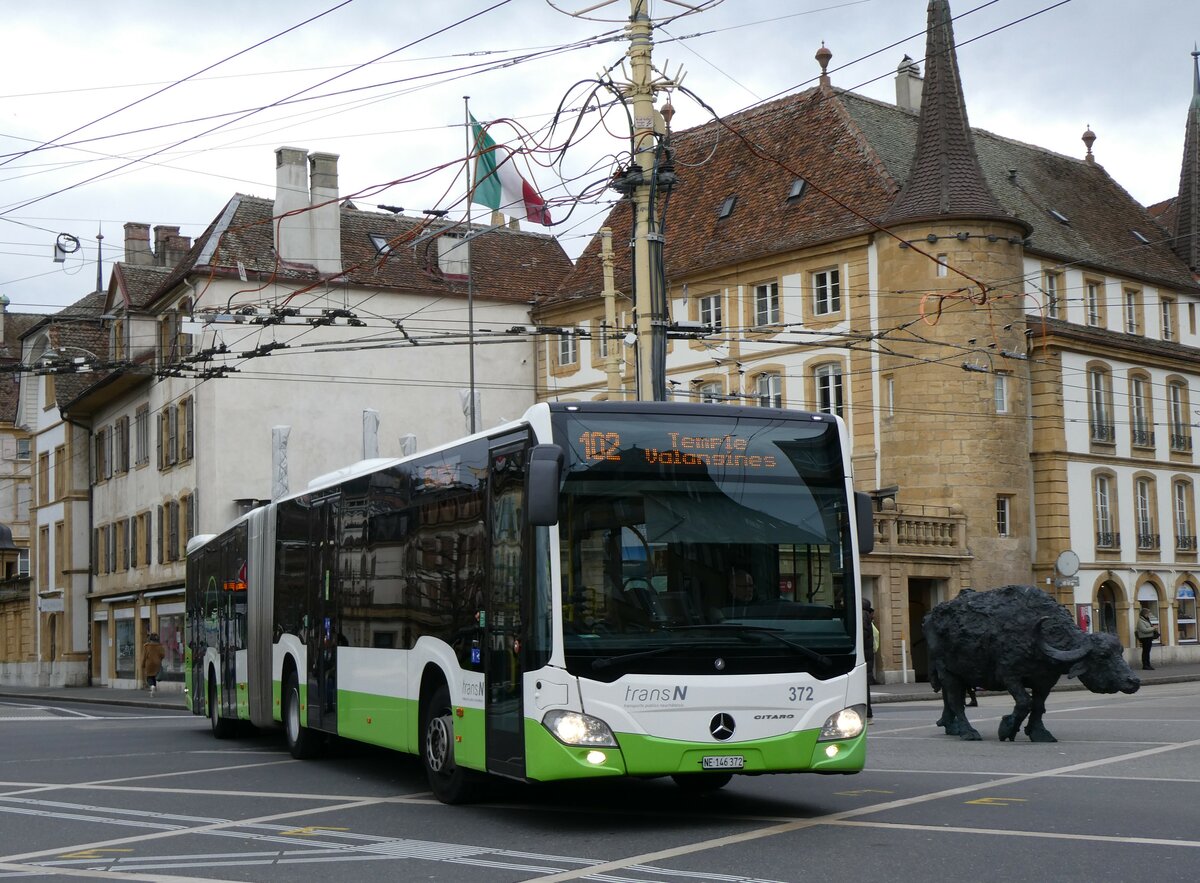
x: 1019, y: 639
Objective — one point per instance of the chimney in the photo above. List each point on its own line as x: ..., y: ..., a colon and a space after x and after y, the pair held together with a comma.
x: 162, y: 235
x: 293, y: 235
x: 326, y: 214
x: 909, y: 85
x: 177, y: 247
x: 137, y: 245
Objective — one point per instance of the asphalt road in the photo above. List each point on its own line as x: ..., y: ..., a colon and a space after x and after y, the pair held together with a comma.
x: 105, y: 792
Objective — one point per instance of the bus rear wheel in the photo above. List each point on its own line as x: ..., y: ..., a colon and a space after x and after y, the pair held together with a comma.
x: 702, y: 783
x: 449, y: 782
x: 301, y: 741
x: 221, y: 727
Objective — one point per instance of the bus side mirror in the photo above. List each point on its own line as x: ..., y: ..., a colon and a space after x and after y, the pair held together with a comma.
x: 545, y: 475
x: 864, y: 514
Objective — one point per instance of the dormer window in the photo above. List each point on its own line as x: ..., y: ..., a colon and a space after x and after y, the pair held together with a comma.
x: 1140, y: 237
x: 727, y: 208
x: 454, y: 255
x: 382, y: 243
x: 1060, y: 217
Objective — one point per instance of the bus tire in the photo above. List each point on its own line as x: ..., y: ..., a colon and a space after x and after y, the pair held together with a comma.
x: 702, y: 783
x: 449, y: 783
x: 222, y: 728
x: 301, y: 741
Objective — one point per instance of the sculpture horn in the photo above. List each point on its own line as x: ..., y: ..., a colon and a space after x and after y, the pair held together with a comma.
x: 1073, y: 655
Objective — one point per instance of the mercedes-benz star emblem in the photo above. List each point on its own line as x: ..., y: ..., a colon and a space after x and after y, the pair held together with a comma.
x: 719, y: 664
x: 721, y: 726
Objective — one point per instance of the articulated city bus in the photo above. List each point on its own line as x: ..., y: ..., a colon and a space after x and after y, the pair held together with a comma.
x: 597, y: 589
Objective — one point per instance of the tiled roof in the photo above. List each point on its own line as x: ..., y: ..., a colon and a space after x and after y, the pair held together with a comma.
x: 857, y: 148
x: 944, y: 176
x: 812, y: 138
x: 136, y: 284
x: 508, y: 264
x: 78, y: 325
x: 1102, y: 216
x: 15, y: 325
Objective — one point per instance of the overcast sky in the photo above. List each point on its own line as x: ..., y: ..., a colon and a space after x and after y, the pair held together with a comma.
x: 381, y: 82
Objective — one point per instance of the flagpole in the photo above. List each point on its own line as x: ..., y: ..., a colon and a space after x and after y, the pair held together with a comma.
x: 470, y: 267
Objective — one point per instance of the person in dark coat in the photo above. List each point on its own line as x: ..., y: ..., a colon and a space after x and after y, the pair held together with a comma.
x: 868, y: 620
x: 153, y: 653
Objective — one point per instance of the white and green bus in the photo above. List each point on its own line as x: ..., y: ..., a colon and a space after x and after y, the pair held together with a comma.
x: 597, y: 589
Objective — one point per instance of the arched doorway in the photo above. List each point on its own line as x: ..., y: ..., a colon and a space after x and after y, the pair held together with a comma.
x: 1107, y: 599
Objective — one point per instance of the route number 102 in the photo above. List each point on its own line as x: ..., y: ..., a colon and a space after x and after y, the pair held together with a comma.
x: 601, y: 445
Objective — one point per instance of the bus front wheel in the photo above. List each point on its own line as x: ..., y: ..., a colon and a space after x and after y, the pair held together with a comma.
x: 221, y: 728
x: 301, y: 741
x: 450, y: 783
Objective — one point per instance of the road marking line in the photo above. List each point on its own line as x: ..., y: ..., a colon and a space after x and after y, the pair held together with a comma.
x: 800, y: 824
x: 1040, y: 835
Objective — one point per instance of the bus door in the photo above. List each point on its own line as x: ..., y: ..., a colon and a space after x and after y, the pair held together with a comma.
x: 507, y: 606
x: 324, y: 627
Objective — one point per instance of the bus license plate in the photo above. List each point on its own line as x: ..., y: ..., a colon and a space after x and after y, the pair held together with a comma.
x: 723, y: 762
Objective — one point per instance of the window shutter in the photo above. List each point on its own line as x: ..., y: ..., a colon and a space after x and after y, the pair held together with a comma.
x: 159, y: 440
x: 96, y: 550
x: 133, y: 542
x: 160, y: 535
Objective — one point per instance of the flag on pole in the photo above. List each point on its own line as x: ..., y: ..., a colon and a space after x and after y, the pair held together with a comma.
x: 499, y: 185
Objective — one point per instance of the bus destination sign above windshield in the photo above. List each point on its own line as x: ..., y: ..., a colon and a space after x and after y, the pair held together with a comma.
x: 678, y: 449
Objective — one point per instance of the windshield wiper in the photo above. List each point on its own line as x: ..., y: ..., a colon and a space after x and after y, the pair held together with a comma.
x: 743, y: 630
x: 610, y: 661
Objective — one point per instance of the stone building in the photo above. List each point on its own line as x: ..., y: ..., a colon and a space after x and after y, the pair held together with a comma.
x: 1002, y: 327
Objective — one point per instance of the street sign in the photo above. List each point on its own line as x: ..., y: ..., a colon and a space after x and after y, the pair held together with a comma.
x: 1063, y: 582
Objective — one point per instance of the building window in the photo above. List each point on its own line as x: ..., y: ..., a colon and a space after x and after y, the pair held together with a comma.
x: 769, y: 390
x: 1185, y: 536
x: 829, y: 389
x: 1185, y: 612
x: 60, y: 552
x: 1147, y: 537
x: 141, y: 435
x: 43, y: 478
x: 600, y: 336
x: 827, y: 296
x: 23, y: 562
x: 1141, y: 424
x: 1094, y: 305
x: 1100, y: 405
x: 1133, y: 311
x: 103, y: 459
x: 1106, y: 535
x: 24, y: 448
x: 1167, y: 306
x: 889, y: 396
x: 1004, y: 516
x: 941, y: 265
x: 568, y: 350
x: 766, y: 304
x: 1000, y: 392
x: 168, y: 437
x: 1053, y: 310
x: 187, y: 429
x: 121, y: 445
x: 1177, y: 405
x: 43, y: 574
x: 61, y: 472
x: 709, y: 308
x: 712, y: 391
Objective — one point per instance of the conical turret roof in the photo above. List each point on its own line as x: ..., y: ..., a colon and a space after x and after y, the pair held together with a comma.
x: 1187, y: 204
x: 945, y: 179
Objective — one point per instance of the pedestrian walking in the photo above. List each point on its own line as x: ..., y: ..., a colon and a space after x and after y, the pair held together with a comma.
x: 152, y: 657
x: 1146, y: 635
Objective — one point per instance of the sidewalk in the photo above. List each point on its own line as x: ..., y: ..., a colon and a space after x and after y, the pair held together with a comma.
x: 919, y: 692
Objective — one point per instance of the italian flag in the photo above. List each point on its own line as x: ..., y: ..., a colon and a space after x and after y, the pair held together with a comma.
x: 499, y: 185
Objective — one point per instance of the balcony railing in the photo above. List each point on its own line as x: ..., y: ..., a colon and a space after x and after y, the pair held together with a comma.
x: 1142, y: 438
x: 1147, y: 541
x: 899, y: 531
x: 1104, y: 432
x: 1181, y: 442
x: 1185, y: 544
x: 1108, y: 540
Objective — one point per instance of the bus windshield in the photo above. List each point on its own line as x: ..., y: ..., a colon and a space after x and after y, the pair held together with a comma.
x: 705, y: 541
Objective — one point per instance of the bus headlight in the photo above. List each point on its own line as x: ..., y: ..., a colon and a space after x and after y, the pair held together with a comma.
x: 575, y: 728
x: 845, y: 724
